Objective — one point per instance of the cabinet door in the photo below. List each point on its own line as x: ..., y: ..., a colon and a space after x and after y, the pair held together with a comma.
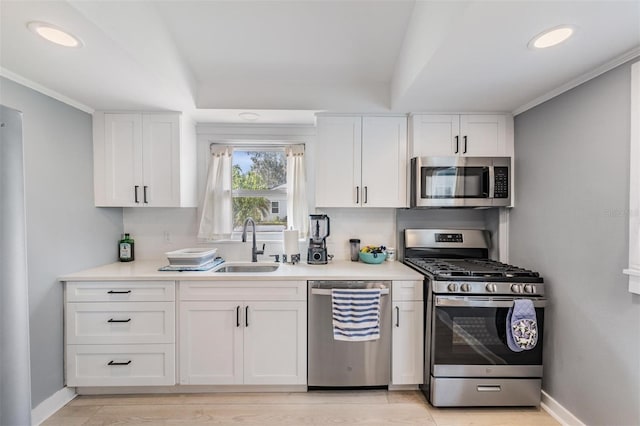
x: 407, y: 353
x: 122, y: 160
x: 275, y: 343
x: 210, y: 343
x: 482, y: 135
x: 384, y: 162
x: 338, y: 160
x: 161, y: 156
x: 435, y: 135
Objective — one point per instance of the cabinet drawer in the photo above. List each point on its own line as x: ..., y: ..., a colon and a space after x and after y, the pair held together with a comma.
x: 120, y: 322
x: 407, y: 290
x: 243, y: 290
x: 120, y: 291
x: 120, y: 365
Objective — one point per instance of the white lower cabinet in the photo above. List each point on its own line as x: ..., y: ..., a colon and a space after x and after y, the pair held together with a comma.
x: 243, y: 340
x: 407, y: 348
x: 114, y: 336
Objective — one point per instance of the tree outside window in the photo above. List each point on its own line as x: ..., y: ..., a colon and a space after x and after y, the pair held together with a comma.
x: 259, y: 181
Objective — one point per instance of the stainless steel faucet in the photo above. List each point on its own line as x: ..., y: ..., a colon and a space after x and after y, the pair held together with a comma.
x: 254, y: 249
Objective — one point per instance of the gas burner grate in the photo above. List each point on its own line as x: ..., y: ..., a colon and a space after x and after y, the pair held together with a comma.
x: 476, y: 268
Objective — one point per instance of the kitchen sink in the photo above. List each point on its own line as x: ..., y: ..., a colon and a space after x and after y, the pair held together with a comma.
x: 247, y: 267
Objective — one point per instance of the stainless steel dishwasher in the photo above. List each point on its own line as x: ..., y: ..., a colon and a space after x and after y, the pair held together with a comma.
x: 335, y: 363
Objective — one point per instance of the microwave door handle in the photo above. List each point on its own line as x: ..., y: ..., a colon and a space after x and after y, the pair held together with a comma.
x: 492, y: 182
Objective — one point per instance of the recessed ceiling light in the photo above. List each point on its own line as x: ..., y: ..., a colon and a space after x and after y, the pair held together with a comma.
x: 551, y: 37
x: 54, y: 34
x: 249, y: 116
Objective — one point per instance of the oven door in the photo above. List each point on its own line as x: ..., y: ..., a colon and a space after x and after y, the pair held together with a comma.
x: 468, y: 339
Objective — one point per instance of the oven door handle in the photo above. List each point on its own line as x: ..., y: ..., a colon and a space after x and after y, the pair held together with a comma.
x: 484, y: 303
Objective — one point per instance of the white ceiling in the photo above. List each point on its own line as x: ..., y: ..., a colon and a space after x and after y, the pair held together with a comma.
x: 288, y: 59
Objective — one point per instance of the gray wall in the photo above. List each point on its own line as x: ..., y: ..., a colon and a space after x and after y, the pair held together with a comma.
x: 571, y: 224
x: 65, y: 232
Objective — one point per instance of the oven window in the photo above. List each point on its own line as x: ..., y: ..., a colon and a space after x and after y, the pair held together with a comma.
x: 454, y: 182
x: 477, y: 336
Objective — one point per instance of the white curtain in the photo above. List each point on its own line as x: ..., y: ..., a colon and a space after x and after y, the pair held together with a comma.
x: 297, y: 208
x: 15, y: 382
x: 216, y: 221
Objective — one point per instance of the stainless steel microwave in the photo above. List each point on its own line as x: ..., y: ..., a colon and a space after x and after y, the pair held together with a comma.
x: 460, y: 181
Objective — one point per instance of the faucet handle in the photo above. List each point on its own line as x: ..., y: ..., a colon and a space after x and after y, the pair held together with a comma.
x: 261, y: 251
x: 277, y: 257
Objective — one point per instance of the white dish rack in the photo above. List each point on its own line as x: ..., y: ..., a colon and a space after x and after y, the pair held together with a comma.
x: 191, y: 256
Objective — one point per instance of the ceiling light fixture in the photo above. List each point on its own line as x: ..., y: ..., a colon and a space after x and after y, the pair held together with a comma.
x: 54, y: 34
x: 551, y: 37
x: 249, y: 116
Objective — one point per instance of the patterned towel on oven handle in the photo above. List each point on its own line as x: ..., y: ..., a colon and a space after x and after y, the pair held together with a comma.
x: 522, y: 326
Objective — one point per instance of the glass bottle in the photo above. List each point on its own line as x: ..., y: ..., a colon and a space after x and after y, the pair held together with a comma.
x: 126, y: 249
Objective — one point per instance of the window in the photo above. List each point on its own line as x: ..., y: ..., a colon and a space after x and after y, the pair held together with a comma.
x: 259, y: 183
x: 247, y: 181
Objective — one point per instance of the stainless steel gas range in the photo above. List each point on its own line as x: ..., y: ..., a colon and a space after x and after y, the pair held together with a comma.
x: 468, y: 361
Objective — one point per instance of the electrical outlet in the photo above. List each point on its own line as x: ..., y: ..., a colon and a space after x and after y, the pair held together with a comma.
x: 167, y: 236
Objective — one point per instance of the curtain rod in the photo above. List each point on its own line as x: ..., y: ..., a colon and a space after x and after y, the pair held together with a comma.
x: 253, y: 145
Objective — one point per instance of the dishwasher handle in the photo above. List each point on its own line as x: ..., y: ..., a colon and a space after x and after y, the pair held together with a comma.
x: 327, y: 291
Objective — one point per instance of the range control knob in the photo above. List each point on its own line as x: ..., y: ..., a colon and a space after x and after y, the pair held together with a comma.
x: 516, y: 288
x: 452, y: 287
x: 465, y: 287
x: 491, y: 288
x: 529, y: 288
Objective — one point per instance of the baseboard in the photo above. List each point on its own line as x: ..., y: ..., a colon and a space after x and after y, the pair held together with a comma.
x: 46, y: 408
x: 558, y: 412
x: 132, y: 390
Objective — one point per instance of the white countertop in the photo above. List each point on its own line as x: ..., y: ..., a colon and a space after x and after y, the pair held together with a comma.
x: 334, y: 270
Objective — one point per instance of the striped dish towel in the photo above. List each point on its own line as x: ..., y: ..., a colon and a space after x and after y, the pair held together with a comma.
x: 356, y: 314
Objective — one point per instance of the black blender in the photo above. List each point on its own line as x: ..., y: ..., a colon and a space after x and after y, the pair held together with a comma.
x: 319, y: 230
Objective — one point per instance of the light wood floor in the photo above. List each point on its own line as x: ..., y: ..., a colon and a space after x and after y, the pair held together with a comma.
x: 375, y: 407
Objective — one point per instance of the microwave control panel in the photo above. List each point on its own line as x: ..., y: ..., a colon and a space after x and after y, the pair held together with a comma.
x: 501, y: 176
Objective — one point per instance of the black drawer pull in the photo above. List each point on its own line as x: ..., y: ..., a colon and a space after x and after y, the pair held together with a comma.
x: 119, y: 292
x: 119, y: 363
x: 115, y: 320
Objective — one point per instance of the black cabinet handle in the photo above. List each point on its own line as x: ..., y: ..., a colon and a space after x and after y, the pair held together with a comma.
x: 118, y: 292
x: 457, y: 144
x: 246, y: 316
x: 397, y: 316
x: 119, y: 363
x: 465, y: 145
x: 357, y: 195
x: 115, y: 320
x: 135, y: 193
x: 366, y: 194
x: 238, y: 316
x: 144, y: 194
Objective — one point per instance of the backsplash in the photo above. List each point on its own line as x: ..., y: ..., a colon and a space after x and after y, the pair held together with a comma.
x: 159, y: 230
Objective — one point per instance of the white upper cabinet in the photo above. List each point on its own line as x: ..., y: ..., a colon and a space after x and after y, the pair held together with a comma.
x: 477, y: 135
x: 361, y: 161
x: 143, y: 160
